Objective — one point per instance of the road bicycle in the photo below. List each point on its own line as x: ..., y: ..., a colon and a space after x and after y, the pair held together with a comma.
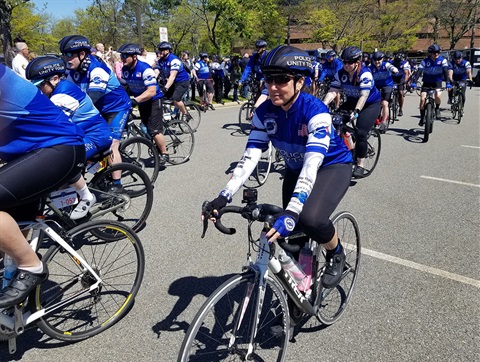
x: 202, y: 89
x: 347, y: 131
x: 457, y: 101
x: 429, y: 108
x: 193, y: 110
x: 131, y: 203
x: 393, y: 105
x: 92, y: 282
x: 322, y: 88
x: 247, y: 109
x: 247, y: 317
x: 179, y: 140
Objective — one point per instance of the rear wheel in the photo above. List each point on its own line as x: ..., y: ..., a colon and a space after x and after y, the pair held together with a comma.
x: 179, y: 140
x: 262, y: 170
x: 75, y: 311
x: 196, y: 113
x: 221, y: 329
x: 245, y: 117
x: 142, y: 153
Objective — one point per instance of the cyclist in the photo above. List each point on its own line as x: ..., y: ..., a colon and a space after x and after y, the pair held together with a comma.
x: 362, y: 97
x: 400, y: 78
x: 35, y: 135
x: 101, y: 84
x: 319, y: 166
x: 48, y: 74
x: 203, y: 77
x: 382, y: 76
x: 330, y: 67
x: 174, y: 77
x: 434, y: 69
x: 146, y: 93
x: 462, y: 73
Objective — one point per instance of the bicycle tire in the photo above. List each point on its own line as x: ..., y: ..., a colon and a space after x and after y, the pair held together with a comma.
x: 179, y: 140
x: 460, y: 109
x: 454, y: 106
x: 333, y: 301
x: 262, y: 170
x: 374, y: 146
x: 428, y: 121
x: 196, y: 113
x: 218, y: 315
x: 133, y: 206
x: 120, y: 264
x: 244, y: 119
x: 142, y: 153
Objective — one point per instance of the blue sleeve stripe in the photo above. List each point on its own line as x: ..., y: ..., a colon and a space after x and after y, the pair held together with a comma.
x: 317, y: 148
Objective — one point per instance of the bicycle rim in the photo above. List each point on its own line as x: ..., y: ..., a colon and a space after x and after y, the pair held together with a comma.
x: 142, y: 153
x: 196, y: 114
x: 120, y: 264
x: 334, y: 300
x: 132, y: 206
x: 262, y: 170
x: 244, y: 119
x: 210, y: 333
x: 179, y: 141
x: 373, y: 151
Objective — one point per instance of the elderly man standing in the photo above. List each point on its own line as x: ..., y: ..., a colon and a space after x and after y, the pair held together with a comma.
x: 20, y: 62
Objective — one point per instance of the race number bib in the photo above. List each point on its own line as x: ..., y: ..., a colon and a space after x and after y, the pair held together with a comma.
x: 64, y: 198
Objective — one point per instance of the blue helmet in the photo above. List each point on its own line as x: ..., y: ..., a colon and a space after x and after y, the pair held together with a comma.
x: 44, y: 67
x: 331, y: 54
x: 260, y: 44
x: 164, y: 45
x: 129, y: 48
x: 74, y: 43
x: 351, y: 54
x: 457, y: 55
x: 378, y: 55
x: 287, y: 59
x: 434, y: 48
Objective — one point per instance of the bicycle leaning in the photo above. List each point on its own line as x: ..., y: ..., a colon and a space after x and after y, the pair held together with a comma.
x: 247, y: 109
x: 247, y: 317
x: 457, y: 100
x: 95, y: 272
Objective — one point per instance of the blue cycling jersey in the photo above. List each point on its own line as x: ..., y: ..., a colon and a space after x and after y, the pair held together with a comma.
x: 329, y: 69
x: 29, y: 120
x: 202, y: 70
x: 383, y: 75
x: 172, y: 62
x: 363, y: 80
x: 141, y: 77
x: 103, y: 87
x: 433, y: 70
x: 253, y: 65
x: 289, y: 132
x: 460, y: 70
x: 402, y: 67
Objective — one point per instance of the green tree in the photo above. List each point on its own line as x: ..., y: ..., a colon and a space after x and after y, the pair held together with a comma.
x: 6, y: 9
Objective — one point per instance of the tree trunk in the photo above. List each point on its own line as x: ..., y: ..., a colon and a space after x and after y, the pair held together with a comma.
x: 6, y: 31
x: 138, y: 15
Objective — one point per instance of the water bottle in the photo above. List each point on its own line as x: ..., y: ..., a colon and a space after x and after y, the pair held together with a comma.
x: 9, y: 270
x: 290, y: 265
x: 143, y: 128
x: 167, y: 116
x: 305, y: 260
x: 347, y: 138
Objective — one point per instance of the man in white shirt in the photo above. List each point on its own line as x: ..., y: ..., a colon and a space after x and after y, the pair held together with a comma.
x: 20, y: 62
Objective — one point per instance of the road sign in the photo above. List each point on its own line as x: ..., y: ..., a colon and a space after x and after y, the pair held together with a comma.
x: 163, y: 34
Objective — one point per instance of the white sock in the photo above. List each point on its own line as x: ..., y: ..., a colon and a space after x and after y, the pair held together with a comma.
x: 85, y: 193
x: 34, y: 269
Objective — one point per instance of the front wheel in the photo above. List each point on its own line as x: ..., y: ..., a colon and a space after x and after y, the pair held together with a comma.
x: 195, y: 113
x: 245, y: 117
x: 460, y: 109
x: 75, y: 311
x: 142, y: 153
x: 221, y: 329
x: 428, y: 121
x: 374, y: 144
x: 179, y: 140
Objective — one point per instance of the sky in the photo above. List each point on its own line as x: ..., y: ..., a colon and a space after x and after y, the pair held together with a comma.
x: 61, y: 8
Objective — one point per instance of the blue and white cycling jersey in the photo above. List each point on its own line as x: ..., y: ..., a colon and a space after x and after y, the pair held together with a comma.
x: 253, y: 65
x: 433, y: 70
x: 172, y: 62
x: 141, y: 77
x: 362, y: 81
x: 202, y: 70
x: 298, y: 131
x: 78, y: 106
x: 383, y: 75
x: 29, y: 120
x: 103, y: 87
x: 329, y: 69
x: 460, y: 70
x: 402, y: 67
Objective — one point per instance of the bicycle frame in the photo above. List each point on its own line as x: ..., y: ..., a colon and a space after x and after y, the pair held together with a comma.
x: 21, y: 319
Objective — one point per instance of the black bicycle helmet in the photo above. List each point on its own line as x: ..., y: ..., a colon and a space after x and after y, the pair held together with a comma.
x: 457, y: 55
x: 260, y: 44
x: 44, y: 67
x: 331, y: 54
x: 287, y: 59
x: 351, y: 54
x: 434, y: 48
x: 74, y: 43
x: 400, y: 56
x: 203, y: 55
x: 378, y: 55
x: 129, y: 48
x: 164, y: 45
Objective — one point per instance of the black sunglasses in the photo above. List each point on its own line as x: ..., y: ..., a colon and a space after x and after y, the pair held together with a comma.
x: 350, y: 61
x: 125, y: 56
x: 278, y: 79
x: 69, y: 54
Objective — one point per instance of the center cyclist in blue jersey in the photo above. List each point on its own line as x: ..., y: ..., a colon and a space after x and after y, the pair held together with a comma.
x: 329, y: 68
x: 318, y: 164
x: 142, y: 81
x: 101, y: 84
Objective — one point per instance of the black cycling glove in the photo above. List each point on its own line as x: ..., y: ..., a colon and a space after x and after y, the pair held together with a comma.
x: 219, y: 203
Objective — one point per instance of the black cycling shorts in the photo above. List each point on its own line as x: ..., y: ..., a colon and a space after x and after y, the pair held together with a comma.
x: 386, y: 93
x: 25, y: 180
x: 426, y: 86
x: 177, y: 90
x: 151, y: 114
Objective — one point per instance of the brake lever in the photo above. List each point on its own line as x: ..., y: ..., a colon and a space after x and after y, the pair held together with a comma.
x: 206, y: 213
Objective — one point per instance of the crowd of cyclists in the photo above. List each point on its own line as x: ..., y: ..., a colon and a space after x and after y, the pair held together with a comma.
x: 71, y: 107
